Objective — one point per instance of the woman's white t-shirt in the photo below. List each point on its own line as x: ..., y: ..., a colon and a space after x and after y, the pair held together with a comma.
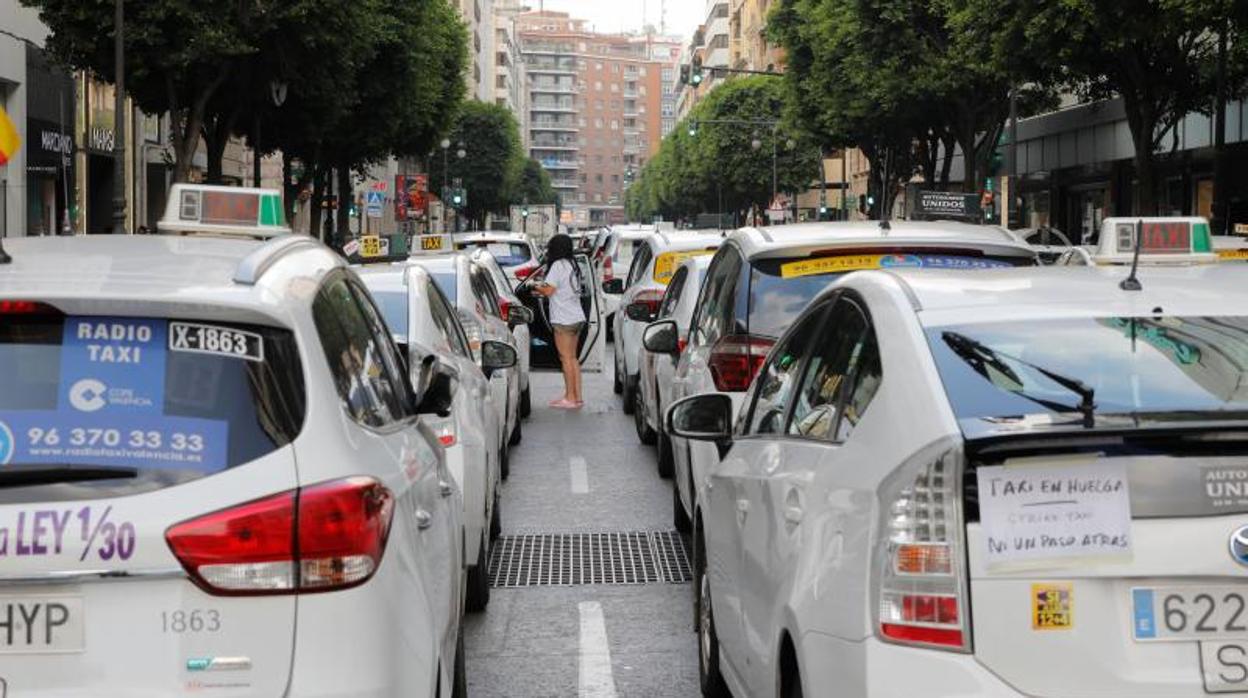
x: 565, y: 303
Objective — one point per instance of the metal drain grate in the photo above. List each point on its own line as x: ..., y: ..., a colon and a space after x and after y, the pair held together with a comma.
x: 570, y: 559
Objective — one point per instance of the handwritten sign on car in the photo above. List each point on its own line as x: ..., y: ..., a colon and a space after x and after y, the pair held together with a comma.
x: 1046, y: 513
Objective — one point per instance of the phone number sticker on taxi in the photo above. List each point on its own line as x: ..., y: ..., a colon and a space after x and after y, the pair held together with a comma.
x: 847, y: 263
x: 36, y: 438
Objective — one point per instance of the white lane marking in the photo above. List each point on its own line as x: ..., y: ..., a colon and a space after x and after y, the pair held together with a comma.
x: 595, y: 679
x: 580, y: 475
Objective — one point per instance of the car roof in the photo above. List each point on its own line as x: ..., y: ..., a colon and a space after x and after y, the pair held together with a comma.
x: 391, y: 277
x: 992, y: 294
x: 445, y: 262
x: 632, y: 231
x: 783, y: 240
x: 668, y: 241
x: 76, y: 273
x: 492, y: 236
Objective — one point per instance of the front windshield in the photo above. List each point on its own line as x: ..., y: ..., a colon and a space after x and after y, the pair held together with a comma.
x: 393, y: 307
x: 1001, y: 372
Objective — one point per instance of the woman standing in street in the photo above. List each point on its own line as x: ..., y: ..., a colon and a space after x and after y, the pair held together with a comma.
x: 563, y: 287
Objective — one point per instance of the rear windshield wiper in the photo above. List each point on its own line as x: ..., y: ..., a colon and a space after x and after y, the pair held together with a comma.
x: 56, y: 474
x: 980, y: 357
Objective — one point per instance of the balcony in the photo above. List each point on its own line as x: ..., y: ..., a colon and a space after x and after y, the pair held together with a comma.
x: 552, y: 125
x: 563, y: 183
x: 553, y: 107
x: 559, y: 164
x: 550, y: 67
x: 559, y: 88
x: 545, y: 48
x: 547, y: 143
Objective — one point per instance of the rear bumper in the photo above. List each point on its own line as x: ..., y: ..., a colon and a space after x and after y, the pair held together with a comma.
x: 875, y: 669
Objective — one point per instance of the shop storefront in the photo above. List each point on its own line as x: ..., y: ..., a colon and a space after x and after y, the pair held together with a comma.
x: 49, y: 145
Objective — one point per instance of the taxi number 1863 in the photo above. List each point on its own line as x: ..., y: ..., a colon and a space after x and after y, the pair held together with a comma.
x: 221, y: 341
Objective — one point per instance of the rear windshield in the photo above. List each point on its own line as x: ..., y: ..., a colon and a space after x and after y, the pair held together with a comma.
x: 393, y: 306
x: 507, y: 254
x: 1150, y: 368
x: 446, y: 281
x: 156, y: 402
x: 781, y: 288
x: 624, y: 251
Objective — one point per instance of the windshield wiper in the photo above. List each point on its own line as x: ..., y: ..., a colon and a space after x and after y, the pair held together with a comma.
x: 980, y: 356
x: 56, y: 474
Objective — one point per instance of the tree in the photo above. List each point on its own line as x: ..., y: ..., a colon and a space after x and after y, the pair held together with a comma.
x: 493, y: 159
x: 533, y: 185
x: 1159, y: 56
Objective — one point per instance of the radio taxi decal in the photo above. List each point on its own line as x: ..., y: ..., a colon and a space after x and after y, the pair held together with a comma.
x: 1051, y: 607
x: 846, y: 263
x: 110, y: 405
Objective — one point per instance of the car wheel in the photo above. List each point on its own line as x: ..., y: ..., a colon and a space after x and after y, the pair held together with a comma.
x: 667, y: 463
x: 517, y: 433
x: 496, y: 521
x: 618, y: 385
x: 459, y: 686
x: 709, y: 678
x: 630, y: 394
x: 644, y: 433
x: 526, y: 403
x: 479, y: 580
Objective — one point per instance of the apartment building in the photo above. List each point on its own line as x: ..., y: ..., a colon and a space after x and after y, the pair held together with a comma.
x: 749, y: 47
x: 479, y: 16
x: 509, y: 88
x: 594, y: 108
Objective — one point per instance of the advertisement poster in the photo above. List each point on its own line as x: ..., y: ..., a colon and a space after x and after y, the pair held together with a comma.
x: 411, y: 196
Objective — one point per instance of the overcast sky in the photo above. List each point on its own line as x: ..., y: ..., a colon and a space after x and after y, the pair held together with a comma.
x: 683, y: 16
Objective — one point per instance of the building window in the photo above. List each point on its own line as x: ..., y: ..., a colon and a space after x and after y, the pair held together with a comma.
x: 615, y: 87
x: 598, y: 85
x: 598, y: 178
x: 584, y: 178
x: 615, y: 125
x: 597, y: 123
x: 598, y: 65
x: 615, y: 179
x: 597, y: 198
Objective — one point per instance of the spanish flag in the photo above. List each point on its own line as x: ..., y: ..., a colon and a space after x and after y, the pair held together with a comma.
x: 9, y: 140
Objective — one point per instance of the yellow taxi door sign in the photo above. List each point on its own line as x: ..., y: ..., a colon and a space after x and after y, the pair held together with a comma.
x: 1051, y: 607
x: 370, y: 246
x: 1233, y: 255
x: 666, y: 264
x: 828, y: 265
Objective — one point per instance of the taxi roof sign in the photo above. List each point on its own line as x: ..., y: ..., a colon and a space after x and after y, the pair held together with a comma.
x: 204, y: 209
x: 1163, y: 240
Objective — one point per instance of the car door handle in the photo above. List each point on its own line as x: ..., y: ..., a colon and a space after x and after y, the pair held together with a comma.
x: 423, y: 519
x: 445, y: 488
x: 743, y: 506
x: 793, y: 515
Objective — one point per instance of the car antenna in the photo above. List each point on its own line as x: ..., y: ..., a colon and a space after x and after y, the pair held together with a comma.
x: 1131, y: 283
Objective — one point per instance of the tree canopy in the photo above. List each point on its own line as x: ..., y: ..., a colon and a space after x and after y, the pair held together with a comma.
x: 493, y: 159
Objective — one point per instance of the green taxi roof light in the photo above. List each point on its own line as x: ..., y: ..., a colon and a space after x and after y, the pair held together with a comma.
x: 1201, y: 239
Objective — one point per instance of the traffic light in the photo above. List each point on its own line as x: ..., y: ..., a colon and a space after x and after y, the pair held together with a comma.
x: 695, y: 73
x: 823, y: 211
x: 458, y: 198
x: 524, y: 212
x: 684, y: 75
x: 693, y: 128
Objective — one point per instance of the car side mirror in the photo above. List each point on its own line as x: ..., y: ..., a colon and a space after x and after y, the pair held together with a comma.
x: 518, y: 315
x: 496, y: 356
x: 437, y: 384
x: 706, y: 417
x: 614, y: 286
x: 661, y: 337
x: 639, y: 312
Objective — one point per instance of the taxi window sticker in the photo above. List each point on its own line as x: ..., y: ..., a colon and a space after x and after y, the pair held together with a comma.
x: 1051, y: 607
x: 847, y: 263
x: 666, y: 264
x: 215, y: 340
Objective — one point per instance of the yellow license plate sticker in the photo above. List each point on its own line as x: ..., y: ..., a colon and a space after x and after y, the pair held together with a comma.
x: 666, y: 264
x: 1233, y: 254
x: 431, y: 243
x: 828, y: 265
x: 370, y: 246
x: 1051, y: 607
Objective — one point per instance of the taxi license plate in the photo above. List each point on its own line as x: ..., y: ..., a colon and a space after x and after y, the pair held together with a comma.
x: 41, y: 625
x: 1183, y: 614
x: 431, y: 243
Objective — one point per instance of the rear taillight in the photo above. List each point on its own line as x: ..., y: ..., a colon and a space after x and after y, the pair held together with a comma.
x: 735, y: 360
x: 318, y: 538
x: 525, y: 271
x: 26, y: 308
x: 504, y: 307
x: 446, y: 434
x: 472, y: 330
x: 681, y: 344
x: 652, y: 298
x: 920, y: 561
x: 607, y: 272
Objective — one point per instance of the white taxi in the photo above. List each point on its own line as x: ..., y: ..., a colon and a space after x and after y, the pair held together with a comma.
x: 761, y: 278
x: 471, y: 290
x: 658, y: 362
x: 655, y: 259
x: 507, y: 299
x: 1162, y: 240
x: 428, y: 334
x: 1009, y: 483
x: 215, y: 474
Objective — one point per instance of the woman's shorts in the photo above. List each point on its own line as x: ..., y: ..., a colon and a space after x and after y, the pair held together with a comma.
x: 568, y: 329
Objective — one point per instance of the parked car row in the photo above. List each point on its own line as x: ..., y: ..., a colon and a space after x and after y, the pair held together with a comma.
x: 229, y: 458
x: 912, y: 460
